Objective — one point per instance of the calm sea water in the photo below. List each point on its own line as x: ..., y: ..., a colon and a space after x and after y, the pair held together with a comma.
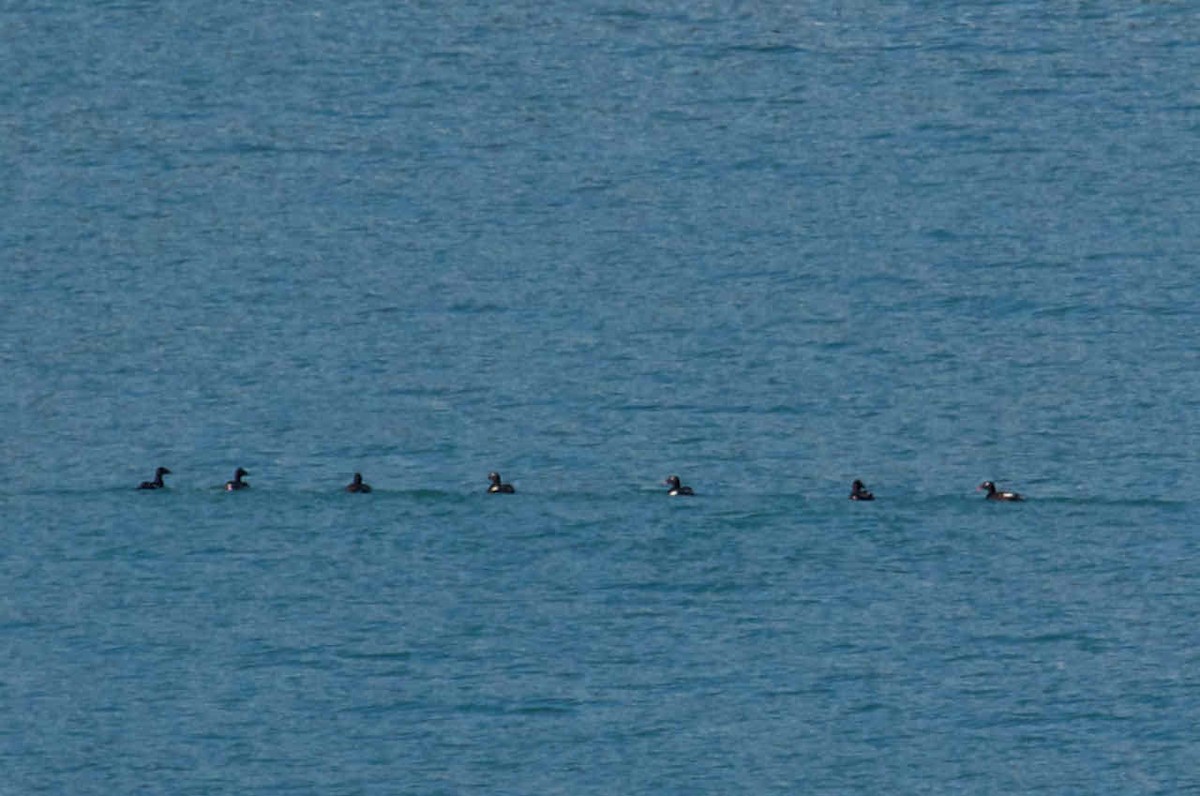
x: 588, y: 245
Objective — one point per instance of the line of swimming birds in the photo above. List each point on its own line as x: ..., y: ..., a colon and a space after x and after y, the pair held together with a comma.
x: 858, y: 490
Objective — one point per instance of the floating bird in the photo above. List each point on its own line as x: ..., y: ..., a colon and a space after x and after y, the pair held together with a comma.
x: 357, y: 484
x: 498, y: 487
x: 237, y: 482
x: 993, y: 494
x: 676, y: 488
x: 157, y: 483
x: 858, y: 491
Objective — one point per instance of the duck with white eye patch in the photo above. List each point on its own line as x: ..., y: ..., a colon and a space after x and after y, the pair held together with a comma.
x: 996, y: 494
x: 676, y: 488
x: 498, y: 487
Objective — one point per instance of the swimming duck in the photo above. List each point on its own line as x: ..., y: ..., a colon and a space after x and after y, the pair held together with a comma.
x: 993, y: 494
x: 237, y: 482
x: 858, y: 491
x: 157, y: 483
x: 676, y: 488
x: 498, y: 487
x: 357, y: 484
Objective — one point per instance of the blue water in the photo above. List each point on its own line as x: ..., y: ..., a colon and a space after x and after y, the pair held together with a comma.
x: 589, y: 245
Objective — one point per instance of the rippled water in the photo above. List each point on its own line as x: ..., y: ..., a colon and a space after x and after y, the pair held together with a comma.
x: 771, y: 250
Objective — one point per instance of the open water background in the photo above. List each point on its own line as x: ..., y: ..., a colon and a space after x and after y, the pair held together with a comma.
x: 590, y: 244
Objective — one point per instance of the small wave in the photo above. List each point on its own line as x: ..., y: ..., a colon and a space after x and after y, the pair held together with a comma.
x: 385, y: 657
x: 476, y: 308
x: 765, y: 49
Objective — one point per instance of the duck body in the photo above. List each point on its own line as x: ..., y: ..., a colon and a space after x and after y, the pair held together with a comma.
x: 858, y: 491
x: 497, y: 487
x: 237, y: 482
x: 677, y: 489
x: 995, y: 494
x: 357, y: 485
x: 157, y: 483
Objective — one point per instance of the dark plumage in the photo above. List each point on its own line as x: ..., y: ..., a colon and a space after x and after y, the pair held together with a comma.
x: 676, y: 488
x: 858, y: 491
x: 237, y: 482
x: 357, y: 484
x: 157, y: 483
x: 497, y: 487
x: 994, y: 494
